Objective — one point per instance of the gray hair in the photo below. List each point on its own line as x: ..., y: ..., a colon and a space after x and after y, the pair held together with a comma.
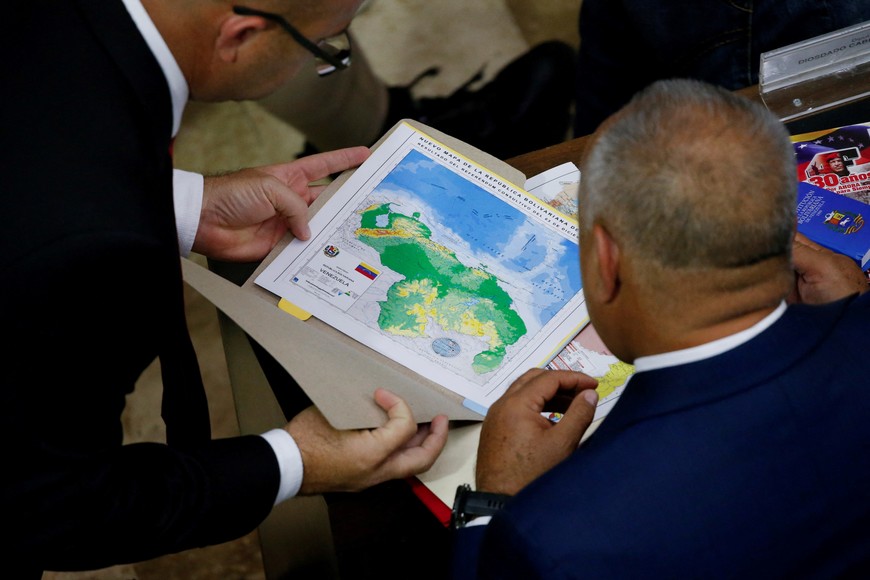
x: 689, y: 175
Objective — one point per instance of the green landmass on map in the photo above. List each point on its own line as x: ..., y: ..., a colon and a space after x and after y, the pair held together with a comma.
x: 615, y: 377
x: 438, y: 287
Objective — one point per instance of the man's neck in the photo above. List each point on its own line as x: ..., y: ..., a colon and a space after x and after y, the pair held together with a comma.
x: 700, y: 308
x: 711, y: 348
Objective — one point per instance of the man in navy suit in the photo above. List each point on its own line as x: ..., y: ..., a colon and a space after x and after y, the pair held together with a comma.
x: 95, y: 220
x: 741, y: 446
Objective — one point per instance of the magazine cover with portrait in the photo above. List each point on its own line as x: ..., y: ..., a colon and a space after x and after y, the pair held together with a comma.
x: 836, y: 159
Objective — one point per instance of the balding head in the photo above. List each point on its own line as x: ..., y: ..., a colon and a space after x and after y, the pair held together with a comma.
x: 690, y: 175
x: 695, y: 187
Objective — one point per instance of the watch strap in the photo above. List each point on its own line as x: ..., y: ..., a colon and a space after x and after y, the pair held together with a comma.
x: 469, y: 504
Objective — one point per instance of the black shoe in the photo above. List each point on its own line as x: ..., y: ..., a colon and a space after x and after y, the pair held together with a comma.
x: 527, y: 105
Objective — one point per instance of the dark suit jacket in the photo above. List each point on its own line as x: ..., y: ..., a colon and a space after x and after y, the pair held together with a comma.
x: 751, y: 464
x: 92, y: 293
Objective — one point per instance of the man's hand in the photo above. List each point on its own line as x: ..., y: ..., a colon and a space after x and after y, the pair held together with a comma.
x: 517, y: 443
x: 822, y: 275
x: 244, y: 214
x: 336, y: 460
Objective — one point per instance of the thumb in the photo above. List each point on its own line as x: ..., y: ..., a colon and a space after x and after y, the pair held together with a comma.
x: 400, y: 425
x: 579, y: 414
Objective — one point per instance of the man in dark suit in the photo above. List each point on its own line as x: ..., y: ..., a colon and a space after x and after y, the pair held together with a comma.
x: 739, y: 449
x: 92, y: 289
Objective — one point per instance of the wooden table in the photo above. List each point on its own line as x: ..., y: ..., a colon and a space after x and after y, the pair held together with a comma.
x: 543, y: 159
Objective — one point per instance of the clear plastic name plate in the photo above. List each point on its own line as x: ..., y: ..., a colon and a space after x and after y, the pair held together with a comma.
x: 817, y: 74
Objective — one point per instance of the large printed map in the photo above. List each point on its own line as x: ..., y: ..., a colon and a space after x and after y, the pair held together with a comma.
x: 433, y: 261
x: 444, y: 268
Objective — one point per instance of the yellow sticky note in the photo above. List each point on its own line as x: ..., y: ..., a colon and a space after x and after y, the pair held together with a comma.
x: 287, y: 306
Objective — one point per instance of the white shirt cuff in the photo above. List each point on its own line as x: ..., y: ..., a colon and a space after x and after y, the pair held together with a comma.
x: 187, y: 190
x: 289, y: 462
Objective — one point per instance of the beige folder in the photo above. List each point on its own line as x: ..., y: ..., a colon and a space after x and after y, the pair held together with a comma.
x: 338, y: 373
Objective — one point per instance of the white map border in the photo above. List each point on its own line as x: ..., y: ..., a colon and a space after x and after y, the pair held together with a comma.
x: 276, y: 277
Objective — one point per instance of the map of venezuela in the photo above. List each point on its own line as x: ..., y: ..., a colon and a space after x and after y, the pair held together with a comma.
x: 458, y: 275
x: 438, y: 287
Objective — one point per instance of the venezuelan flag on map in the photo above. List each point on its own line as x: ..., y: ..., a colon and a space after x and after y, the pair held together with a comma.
x: 367, y: 271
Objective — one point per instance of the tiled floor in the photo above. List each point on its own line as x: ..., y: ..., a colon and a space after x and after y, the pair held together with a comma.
x: 401, y: 38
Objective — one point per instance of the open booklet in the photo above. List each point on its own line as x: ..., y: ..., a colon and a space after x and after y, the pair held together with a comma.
x: 434, y: 261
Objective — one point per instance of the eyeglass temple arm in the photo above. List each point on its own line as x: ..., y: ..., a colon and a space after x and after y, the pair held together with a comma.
x: 297, y: 36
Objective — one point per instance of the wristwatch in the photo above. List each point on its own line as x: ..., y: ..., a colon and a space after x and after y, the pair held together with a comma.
x: 470, y: 504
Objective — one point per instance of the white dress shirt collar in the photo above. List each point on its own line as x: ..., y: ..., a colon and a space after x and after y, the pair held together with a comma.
x: 711, y: 349
x: 178, y: 88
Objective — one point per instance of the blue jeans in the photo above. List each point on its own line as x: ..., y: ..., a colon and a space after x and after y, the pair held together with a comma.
x: 627, y: 44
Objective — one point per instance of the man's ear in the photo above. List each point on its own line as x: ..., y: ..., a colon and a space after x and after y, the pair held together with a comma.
x: 234, y: 32
x: 608, y: 263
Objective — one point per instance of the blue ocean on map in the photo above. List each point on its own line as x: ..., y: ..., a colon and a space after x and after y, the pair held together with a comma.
x: 544, y: 263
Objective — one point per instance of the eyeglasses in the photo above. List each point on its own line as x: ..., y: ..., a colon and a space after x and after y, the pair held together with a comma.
x: 330, y: 54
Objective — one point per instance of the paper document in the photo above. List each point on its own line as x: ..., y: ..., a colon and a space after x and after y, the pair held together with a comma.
x: 557, y: 187
x: 585, y: 353
x: 437, y: 263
